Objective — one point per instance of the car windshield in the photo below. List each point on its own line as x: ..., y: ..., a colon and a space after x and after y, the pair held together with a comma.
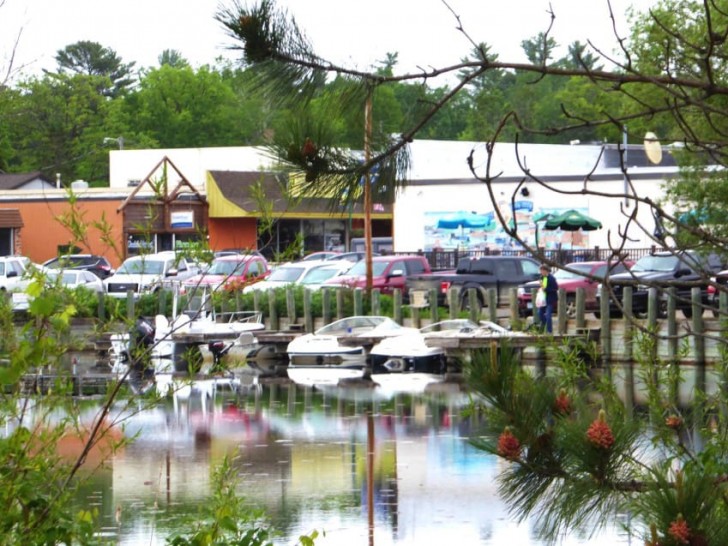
x: 142, y: 266
x: 359, y: 269
x: 319, y: 275
x: 580, y: 268
x: 286, y: 274
x: 656, y: 263
x: 226, y: 267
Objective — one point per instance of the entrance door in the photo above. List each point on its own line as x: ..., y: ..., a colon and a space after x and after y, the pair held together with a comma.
x: 6, y: 241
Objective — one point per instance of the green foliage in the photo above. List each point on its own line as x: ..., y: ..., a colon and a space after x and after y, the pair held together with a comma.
x: 578, y: 456
x: 226, y: 520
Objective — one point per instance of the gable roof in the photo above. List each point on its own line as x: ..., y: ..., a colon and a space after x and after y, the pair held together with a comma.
x: 18, y: 180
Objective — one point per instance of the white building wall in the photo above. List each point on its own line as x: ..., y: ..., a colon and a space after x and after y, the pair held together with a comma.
x: 441, y: 181
x: 126, y: 166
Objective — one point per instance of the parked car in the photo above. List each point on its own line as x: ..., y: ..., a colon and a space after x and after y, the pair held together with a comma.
x: 98, y: 265
x: 318, y: 256
x: 12, y: 270
x: 147, y: 273
x: 305, y: 272
x: 232, y: 271
x: 502, y: 273
x: 67, y: 278
x: 388, y: 273
x: 664, y: 270
x: 585, y: 275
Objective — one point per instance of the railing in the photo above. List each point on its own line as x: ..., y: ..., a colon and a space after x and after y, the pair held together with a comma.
x: 441, y: 260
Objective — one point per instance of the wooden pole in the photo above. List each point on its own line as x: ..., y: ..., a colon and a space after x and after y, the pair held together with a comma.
x: 368, y: 191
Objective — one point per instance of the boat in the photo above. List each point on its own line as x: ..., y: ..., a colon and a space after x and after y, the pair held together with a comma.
x: 332, y: 353
x: 406, y: 363
x: 184, y: 343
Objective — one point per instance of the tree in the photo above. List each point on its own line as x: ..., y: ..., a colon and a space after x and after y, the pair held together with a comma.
x: 173, y: 58
x: 576, y: 455
x: 93, y: 59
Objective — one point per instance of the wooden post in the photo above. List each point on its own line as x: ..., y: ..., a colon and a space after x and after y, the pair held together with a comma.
x: 454, y: 303
x: 605, y: 336
x: 698, y: 328
x: 416, y: 321
x: 580, y: 302
x: 434, y: 307
x: 326, y: 305
x: 375, y: 302
x: 272, y: 312
x: 561, y: 312
x: 513, y: 305
x: 492, y: 305
x: 672, y: 345
x: 340, y: 304
x: 534, y: 309
x: 290, y: 305
x: 628, y: 323
x: 398, y: 306
x: 358, y: 302
x: 130, y: 305
x: 307, y: 311
x: 474, y: 305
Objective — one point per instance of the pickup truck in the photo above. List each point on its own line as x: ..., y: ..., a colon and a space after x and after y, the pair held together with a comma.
x: 144, y: 274
x: 388, y: 273
x: 500, y: 272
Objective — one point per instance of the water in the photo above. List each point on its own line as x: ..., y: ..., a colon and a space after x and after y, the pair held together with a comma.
x: 301, y: 454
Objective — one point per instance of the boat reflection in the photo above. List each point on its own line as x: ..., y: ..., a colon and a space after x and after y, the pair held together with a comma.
x: 394, y: 471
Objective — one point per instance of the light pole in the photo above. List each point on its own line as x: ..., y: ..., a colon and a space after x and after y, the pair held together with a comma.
x: 118, y: 140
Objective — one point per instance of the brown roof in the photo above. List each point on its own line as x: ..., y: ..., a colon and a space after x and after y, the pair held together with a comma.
x: 10, y: 218
x: 18, y: 180
x: 236, y: 187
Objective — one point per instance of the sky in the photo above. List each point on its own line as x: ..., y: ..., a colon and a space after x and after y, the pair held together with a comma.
x: 358, y: 33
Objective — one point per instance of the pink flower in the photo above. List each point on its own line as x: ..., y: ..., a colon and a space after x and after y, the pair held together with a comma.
x: 679, y: 530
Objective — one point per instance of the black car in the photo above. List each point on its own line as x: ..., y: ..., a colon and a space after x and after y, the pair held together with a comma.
x: 98, y: 265
x: 664, y: 270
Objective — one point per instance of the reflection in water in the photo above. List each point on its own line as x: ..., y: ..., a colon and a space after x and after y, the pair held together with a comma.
x: 302, y: 455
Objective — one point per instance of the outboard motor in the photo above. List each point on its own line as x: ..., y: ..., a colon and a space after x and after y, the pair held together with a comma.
x: 218, y: 349
x: 141, y: 340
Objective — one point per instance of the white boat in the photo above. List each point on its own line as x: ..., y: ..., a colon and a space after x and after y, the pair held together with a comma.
x: 184, y: 343
x: 322, y: 358
x: 407, y: 363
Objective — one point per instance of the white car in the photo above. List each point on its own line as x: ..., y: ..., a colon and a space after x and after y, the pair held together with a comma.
x: 307, y: 273
x: 68, y: 278
x: 12, y: 271
x: 147, y: 273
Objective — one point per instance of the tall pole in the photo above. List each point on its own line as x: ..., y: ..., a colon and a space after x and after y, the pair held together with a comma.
x: 368, y: 190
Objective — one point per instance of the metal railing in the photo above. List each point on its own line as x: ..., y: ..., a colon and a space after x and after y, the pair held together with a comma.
x: 441, y: 260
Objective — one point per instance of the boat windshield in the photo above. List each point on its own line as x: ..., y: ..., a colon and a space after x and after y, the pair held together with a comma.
x: 454, y: 324
x: 141, y: 266
x: 356, y: 325
x: 286, y: 274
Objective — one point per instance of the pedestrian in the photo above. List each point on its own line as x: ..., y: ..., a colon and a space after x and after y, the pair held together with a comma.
x: 548, y: 298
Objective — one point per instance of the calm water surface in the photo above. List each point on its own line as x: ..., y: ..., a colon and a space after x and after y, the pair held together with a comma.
x: 301, y: 454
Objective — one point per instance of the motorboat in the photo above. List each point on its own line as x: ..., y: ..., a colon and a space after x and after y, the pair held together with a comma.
x: 185, y: 342
x: 405, y: 362
x: 332, y: 354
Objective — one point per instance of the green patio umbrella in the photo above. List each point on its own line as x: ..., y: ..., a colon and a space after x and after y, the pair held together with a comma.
x: 572, y: 220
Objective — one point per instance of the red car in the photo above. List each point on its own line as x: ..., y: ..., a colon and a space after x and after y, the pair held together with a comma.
x: 232, y: 272
x: 388, y: 273
x: 570, y: 281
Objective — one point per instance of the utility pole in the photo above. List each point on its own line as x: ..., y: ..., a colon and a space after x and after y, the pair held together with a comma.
x: 368, y: 190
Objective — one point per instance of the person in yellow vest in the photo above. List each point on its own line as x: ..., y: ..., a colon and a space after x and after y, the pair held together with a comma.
x: 548, y: 298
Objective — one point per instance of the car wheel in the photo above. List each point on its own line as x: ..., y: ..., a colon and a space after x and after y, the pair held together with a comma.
x: 687, y: 312
x: 467, y: 305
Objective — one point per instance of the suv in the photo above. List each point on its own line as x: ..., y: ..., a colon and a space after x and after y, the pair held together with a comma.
x: 147, y: 273
x: 98, y: 265
x: 586, y: 275
x: 664, y: 270
x: 388, y: 273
